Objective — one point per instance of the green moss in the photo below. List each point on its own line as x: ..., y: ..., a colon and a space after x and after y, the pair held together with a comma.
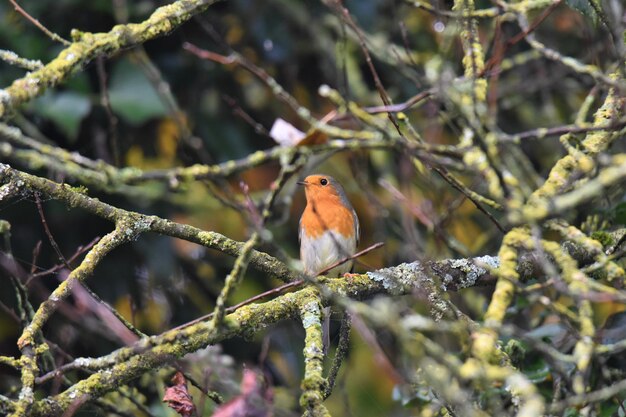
x: 516, y: 351
x: 603, y: 237
x: 81, y: 189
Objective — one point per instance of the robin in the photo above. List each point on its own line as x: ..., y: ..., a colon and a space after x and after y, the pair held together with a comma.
x: 329, y: 230
x: 329, y: 227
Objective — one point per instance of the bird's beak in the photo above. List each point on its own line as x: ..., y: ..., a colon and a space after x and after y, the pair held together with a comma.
x: 302, y: 183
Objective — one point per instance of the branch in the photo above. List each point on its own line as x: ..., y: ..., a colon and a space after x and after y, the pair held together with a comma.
x: 313, y: 382
x: 89, y: 46
x: 37, y: 23
x: 124, y: 180
x: 151, y: 353
x: 14, y: 182
x: 154, y: 352
x: 608, y: 177
x: 127, y: 363
x: 26, y: 342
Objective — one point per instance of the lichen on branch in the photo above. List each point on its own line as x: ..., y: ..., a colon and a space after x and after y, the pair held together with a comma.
x: 88, y: 46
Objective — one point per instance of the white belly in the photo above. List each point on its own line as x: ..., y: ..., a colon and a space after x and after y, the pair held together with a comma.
x: 321, y: 252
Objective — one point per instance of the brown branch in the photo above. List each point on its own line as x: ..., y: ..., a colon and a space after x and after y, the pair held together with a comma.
x: 38, y: 24
x: 33, y: 262
x: 345, y: 14
x: 461, y: 188
x: 89, y: 46
x: 531, y: 28
x: 79, y: 251
x: 211, y: 56
x: 53, y: 242
x: 544, y: 132
x: 105, y: 101
x: 517, y: 38
x: 349, y: 258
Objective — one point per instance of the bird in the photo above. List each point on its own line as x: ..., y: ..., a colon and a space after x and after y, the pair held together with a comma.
x: 329, y: 227
x: 329, y: 232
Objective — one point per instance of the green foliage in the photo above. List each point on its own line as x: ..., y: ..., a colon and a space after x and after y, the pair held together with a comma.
x: 66, y: 109
x: 132, y: 95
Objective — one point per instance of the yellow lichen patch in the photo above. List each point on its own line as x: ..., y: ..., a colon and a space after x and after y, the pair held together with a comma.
x: 477, y: 159
x: 578, y: 284
x: 484, y: 345
x: 473, y: 59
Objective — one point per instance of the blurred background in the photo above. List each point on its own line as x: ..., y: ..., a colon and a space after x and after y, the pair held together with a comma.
x: 169, y: 108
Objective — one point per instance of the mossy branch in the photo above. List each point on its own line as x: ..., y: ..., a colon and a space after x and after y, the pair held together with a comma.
x: 151, y: 353
x: 14, y: 182
x: 593, y: 143
x: 88, y: 46
x: 313, y: 383
x: 538, y: 206
x: 25, y: 151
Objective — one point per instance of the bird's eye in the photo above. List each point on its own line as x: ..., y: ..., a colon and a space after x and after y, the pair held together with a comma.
x: 323, y: 181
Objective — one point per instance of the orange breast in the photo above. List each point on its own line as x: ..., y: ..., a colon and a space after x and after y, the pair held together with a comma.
x: 327, y: 214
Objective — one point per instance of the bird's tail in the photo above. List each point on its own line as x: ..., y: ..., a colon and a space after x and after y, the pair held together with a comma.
x: 326, y: 329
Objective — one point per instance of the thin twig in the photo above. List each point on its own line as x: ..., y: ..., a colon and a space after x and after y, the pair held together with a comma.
x: 106, y: 103
x: 41, y: 27
x: 517, y: 38
x: 79, y: 251
x: 278, y: 290
x: 53, y: 242
x: 459, y: 186
x: 33, y: 263
x: 238, y: 111
x: 379, y: 355
x: 384, y: 96
x: 255, y: 216
x: 351, y: 257
x: 392, y: 108
x: 544, y: 132
x: 340, y: 354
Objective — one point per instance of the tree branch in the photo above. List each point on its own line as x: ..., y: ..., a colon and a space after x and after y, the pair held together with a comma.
x: 89, y: 46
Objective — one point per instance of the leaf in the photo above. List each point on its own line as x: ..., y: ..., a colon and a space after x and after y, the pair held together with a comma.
x: 132, y: 96
x: 314, y: 137
x: 287, y: 135
x: 253, y: 401
x: 539, y: 371
x: 178, y: 398
x: 66, y: 109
